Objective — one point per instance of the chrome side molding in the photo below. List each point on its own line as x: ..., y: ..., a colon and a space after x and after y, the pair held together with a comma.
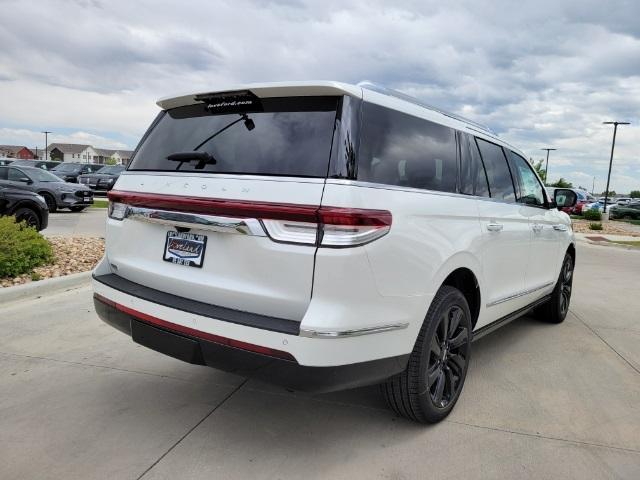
x: 519, y: 294
x: 351, y: 333
x: 243, y: 226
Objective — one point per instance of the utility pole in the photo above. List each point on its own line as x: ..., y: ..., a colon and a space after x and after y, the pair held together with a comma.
x: 546, y: 168
x: 46, y: 144
x: 613, y: 145
x: 593, y: 185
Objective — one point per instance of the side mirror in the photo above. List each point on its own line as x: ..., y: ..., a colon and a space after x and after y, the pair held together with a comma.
x: 26, y: 180
x: 563, y: 198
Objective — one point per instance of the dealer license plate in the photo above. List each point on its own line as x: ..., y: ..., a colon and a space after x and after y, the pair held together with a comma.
x: 185, y: 248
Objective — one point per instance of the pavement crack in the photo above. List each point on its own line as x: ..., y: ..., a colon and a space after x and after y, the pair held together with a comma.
x: 224, y: 400
x: 605, y: 342
x: 545, y: 437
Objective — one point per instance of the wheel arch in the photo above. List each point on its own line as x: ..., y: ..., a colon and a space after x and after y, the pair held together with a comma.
x: 465, y: 280
x: 27, y: 204
x: 462, y: 272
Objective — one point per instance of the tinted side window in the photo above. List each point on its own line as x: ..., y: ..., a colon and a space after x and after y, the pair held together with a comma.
x: 498, y: 174
x: 399, y: 149
x: 531, y: 192
x: 3, y: 173
x: 473, y: 179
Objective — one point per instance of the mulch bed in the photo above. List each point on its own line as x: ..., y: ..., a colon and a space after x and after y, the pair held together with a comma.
x: 72, y: 255
x: 608, y: 228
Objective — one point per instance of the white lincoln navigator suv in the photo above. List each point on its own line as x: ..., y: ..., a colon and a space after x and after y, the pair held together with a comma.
x: 325, y: 236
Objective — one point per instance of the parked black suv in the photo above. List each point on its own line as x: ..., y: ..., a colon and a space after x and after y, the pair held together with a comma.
x: 69, y: 171
x: 25, y: 206
x: 103, y: 179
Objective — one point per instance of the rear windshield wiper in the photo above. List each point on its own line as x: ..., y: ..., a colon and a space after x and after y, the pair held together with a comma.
x: 203, y: 158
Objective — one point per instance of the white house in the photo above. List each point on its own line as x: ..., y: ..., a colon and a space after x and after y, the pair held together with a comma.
x: 80, y: 153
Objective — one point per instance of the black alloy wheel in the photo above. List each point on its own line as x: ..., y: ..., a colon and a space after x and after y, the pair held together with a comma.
x: 428, y: 389
x: 447, y: 357
x: 29, y: 217
x: 566, y: 283
x: 556, y: 308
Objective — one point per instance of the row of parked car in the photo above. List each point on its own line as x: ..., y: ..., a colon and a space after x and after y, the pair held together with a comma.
x: 622, y: 207
x: 97, y: 177
x: 31, y: 189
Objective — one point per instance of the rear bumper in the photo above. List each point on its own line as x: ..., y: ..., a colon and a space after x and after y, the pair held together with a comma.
x: 277, y: 367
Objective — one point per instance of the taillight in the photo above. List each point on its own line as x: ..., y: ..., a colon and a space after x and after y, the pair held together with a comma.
x: 349, y: 227
x: 333, y: 227
x: 117, y: 210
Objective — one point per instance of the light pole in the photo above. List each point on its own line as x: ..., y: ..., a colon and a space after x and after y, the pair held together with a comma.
x: 546, y: 168
x: 46, y: 144
x: 613, y: 145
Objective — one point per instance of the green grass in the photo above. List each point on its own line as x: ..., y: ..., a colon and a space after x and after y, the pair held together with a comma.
x: 99, y: 203
x: 631, y: 243
x: 576, y: 217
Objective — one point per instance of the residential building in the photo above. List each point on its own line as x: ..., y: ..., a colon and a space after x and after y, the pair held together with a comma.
x: 76, y: 152
x: 16, y: 151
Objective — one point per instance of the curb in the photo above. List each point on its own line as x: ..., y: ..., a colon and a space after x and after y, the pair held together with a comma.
x: 43, y: 287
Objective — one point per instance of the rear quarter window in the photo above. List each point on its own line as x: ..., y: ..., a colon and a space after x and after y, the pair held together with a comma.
x: 400, y: 149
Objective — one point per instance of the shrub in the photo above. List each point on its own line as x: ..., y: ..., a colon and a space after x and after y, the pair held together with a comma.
x: 21, y: 248
x: 595, y: 226
x: 592, y: 215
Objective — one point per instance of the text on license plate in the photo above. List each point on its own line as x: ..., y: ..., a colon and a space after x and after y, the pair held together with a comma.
x: 185, y: 248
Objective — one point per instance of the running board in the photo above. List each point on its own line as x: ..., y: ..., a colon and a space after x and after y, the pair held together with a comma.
x: 481, y: 332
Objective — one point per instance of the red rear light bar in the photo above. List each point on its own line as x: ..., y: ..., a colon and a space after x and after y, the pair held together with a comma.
x: 254, y: 209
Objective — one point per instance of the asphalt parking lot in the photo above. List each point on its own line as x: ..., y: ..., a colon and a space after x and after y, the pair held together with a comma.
x: 88, y: 223
x: 80, y: 400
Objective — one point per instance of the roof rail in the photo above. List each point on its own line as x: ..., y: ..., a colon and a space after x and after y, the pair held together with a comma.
x: 408, y: 98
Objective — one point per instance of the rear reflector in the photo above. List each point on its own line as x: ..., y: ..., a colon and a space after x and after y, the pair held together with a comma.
x: 174, y: 327
x: 290, y: 223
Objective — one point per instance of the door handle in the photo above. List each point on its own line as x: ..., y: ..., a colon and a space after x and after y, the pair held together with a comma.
x: 537, y: 227
x: 495, y: 227
x: 560, y: 228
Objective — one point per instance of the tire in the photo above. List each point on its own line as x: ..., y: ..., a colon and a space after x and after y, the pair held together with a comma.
x: 430, y: 386
x: 556, y: 309
x: 51, y: 202
x: 29, y: 216
x: 77, y: 209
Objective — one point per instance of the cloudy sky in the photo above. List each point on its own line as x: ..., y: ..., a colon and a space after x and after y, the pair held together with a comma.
x: 541, y: 74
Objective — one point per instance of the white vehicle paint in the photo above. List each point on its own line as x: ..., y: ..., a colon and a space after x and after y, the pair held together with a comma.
x: 327, y: 270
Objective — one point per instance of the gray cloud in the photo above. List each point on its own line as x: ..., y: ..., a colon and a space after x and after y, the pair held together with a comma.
x: 540, y: 73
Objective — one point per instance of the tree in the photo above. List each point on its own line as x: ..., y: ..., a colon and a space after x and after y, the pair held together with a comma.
x: 635, y: 194
x: 562, y: 183
x: 537, y: 166
x: 111, y: 161
x: 612, y: 193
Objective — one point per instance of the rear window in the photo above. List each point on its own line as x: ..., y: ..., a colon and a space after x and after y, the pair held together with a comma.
x: 400, y: 149
x: 290, y: 137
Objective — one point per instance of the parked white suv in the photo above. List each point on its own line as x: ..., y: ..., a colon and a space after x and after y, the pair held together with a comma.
x: 325, y: 236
